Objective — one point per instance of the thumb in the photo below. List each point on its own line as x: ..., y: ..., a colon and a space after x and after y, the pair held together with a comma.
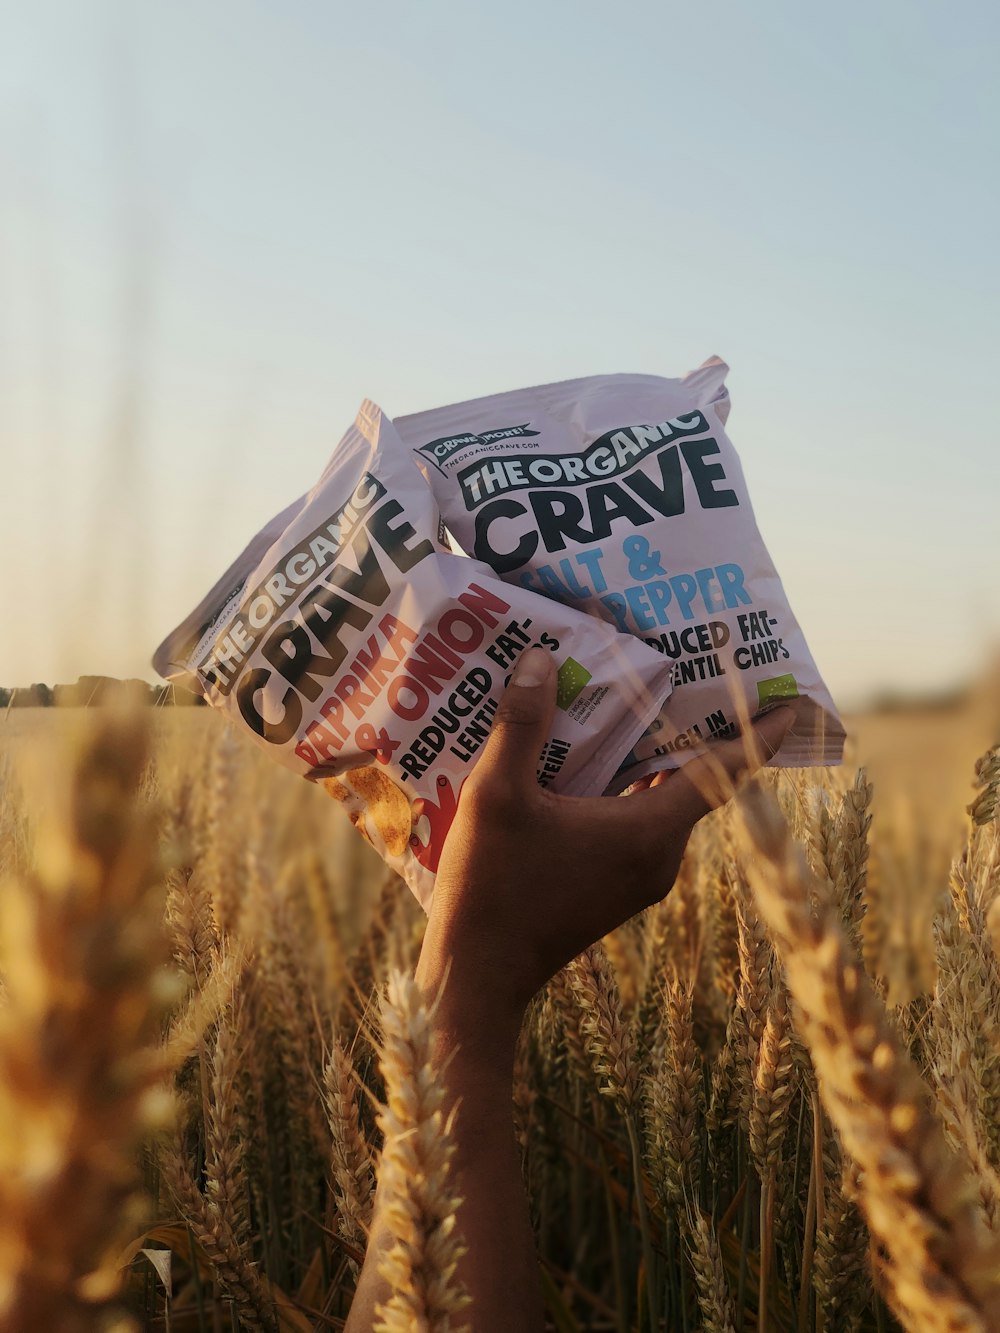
x: 709, y: 780
x: 522, y: 722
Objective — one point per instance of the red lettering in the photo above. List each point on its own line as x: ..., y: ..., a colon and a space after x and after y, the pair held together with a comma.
x: 307, y: 754
x: 448, y: 627
x: 430, y: 668
x: 481, y: 603
x: 317, y: 745
x: 406, y: 685
x: 333, y: 714
x: 357, y: 700
x: 396, y: 634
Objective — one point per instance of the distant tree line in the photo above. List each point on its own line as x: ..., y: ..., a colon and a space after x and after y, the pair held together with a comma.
x: 89, y: 691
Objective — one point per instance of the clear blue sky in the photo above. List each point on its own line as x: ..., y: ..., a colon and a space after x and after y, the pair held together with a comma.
x: 225, y: 222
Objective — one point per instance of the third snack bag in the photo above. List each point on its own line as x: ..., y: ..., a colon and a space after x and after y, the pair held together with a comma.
x: 622, y: 495
x: 359, y: 651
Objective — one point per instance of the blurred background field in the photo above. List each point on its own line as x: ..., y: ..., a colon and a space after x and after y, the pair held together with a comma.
x: 918, y: 752
x: 195, y: 952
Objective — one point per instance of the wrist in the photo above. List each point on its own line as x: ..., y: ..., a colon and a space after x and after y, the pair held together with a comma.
x: 473, y: 1007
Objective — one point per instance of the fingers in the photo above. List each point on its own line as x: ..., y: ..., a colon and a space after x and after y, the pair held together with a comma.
x: 709, y: 780
x: 769, y: 732
x: 522, y: 722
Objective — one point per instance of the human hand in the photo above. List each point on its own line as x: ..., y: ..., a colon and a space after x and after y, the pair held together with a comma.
x: 529, y: 879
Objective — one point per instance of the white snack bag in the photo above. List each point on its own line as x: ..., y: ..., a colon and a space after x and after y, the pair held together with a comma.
x: 363, y: 654
x: 622, y: 495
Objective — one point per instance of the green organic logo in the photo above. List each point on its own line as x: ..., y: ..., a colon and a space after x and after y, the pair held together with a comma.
x: 571, y: 679
x: 777, y: 687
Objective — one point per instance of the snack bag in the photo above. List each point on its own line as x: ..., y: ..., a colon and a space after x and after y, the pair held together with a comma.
x: 363, y: 654
x: 622, y: 495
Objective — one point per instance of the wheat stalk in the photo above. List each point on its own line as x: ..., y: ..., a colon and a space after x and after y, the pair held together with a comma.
x: 714, y: 1300
x: 674, y: 1096
x: 847, y: 853
x: 609, y: 1038
x: 941, y: 1263
x: 415, y: 1174
x: 212, y: 1228
x: 841, y: 1276
x: 983, y: 809
x: 85, y: 962
x: 350, y: 1160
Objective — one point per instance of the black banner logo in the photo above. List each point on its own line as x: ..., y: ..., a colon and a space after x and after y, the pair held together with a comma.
x: 439, y: 451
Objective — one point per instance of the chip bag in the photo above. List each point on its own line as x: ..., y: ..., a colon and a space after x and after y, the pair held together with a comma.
x: 623, y: 496
x: 358, y: 650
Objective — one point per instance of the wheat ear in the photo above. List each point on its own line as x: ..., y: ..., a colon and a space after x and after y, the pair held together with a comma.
x: 609, y: 1037
x: 714, y: 1300
x: 213, y: 1229
x: 350, y: 1161
x: 415, y: 1173
x: 675, y: 1102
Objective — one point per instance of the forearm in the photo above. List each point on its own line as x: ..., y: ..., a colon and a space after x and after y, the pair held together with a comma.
x: 499, y: 1269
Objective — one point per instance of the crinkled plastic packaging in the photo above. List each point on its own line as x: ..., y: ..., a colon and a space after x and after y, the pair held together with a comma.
x: 622, y: 495
x: 351, y: 644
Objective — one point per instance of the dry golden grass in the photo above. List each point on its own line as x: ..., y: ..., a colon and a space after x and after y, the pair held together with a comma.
x: 770, y: 1102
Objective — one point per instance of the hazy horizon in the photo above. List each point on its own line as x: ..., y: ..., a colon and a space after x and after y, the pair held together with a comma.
x: 226, y: 225
x: 848, y: 703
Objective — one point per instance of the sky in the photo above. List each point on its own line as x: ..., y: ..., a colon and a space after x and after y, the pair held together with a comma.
x: 224, y: 223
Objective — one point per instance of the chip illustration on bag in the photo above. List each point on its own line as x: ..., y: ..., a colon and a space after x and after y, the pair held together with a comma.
x: 350, y: 643
x: 376, y: 806
x: 623, y: 496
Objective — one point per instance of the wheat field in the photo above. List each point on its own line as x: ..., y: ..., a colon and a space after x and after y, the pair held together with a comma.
x: 772, y: 1101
